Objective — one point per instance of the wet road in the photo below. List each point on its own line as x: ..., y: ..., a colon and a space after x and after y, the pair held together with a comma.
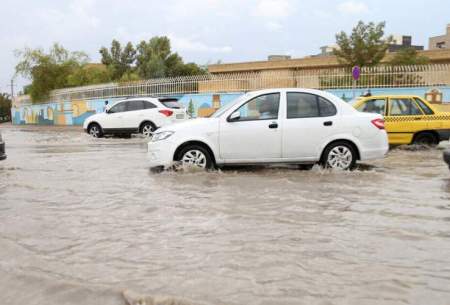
x: 81, y: 219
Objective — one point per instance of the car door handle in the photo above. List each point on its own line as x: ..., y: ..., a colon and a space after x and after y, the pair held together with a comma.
x: 417, y: 119
x: 273, y: 125
x: 328, y: 123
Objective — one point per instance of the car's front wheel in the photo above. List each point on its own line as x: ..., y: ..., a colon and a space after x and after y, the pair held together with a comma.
x: 95, y: 130
x: 196, y: 156
x: 339, y: 155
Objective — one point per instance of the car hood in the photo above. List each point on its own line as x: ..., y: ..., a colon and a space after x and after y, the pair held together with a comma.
x: 192, y: 124
x: 97, y: 116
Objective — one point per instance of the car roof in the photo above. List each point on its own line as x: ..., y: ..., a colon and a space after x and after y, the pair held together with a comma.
x: 389, y: 96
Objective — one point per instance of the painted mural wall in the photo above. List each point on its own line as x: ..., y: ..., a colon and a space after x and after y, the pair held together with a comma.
x: 201, y: 105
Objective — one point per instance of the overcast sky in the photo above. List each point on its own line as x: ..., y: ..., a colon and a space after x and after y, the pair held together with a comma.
x: 205, y: 31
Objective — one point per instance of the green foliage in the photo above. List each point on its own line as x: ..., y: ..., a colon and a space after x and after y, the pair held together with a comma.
x: 191, y: 109
x: 89, y: 74
x: 118, y: 60
x: 408, y: 56
x: 60, y: 68
x: 155, y: 59
x: 364, y: 47
x: 5, y: 106
x: 56, y: 69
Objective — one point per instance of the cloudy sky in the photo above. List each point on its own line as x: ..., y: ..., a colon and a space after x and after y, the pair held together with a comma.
x: 205, y: 31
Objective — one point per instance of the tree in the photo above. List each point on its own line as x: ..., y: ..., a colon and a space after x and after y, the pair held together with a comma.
x: 48, y: 71
x: 191, y: 109
x: 408, y: 56
x: 89, y: 74
x: 364, y: 47
x: 5, y: 106
x: 118, y: 60
x: 155, y: 59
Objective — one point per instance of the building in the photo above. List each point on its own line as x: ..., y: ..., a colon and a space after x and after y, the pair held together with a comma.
x: 402, y: 42
x: 308, y: 64
x: 278, y: 57
x: 328, y: 50
x: 440, y: 42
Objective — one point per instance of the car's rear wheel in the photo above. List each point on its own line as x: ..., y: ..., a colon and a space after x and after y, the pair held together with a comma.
x: 426, y: 138
x: 147, y: 129
x: 196, y: 156
x: 339, y: 155
x: 95, y: 130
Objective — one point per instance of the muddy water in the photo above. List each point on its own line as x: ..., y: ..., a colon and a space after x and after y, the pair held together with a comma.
x: 82, y: 219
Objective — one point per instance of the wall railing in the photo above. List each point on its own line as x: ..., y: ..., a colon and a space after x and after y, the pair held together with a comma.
x: 339, y: 78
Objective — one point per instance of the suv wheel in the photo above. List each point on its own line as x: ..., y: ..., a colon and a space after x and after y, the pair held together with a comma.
x: 196, y: 156
x: 147, y: 129
x: 340, y: 155
x: 95, y: 130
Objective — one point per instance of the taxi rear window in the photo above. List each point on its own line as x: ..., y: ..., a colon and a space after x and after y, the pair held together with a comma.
x: 424, y: 107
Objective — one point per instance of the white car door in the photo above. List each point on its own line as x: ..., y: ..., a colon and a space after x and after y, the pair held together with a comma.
x: 135, y: 115
x: 310, y: 120
x: 115, y: 117
x: 253, y: 132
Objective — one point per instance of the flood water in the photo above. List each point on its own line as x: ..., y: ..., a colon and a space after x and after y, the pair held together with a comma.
x: 82, y: 219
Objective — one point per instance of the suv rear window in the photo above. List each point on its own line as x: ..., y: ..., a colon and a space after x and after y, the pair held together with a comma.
x: 171, y: 103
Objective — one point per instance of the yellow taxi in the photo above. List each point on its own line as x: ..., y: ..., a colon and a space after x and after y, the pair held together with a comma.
x: 409, y: 119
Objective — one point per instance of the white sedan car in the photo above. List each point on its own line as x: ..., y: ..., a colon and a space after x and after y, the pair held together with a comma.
x: 137, y: 115
x: 277, y: 126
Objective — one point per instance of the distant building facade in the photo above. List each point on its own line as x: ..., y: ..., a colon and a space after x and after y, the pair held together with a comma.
x: 402, y: 42
x: 328, y: 50
x: 278, y: 57
x: 440, y: 42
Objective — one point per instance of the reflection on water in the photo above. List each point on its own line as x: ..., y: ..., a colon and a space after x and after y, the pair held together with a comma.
x: 81, y: 219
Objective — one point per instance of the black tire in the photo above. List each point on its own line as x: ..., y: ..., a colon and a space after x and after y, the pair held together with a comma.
x: 147, y: 126
x: 344, y: 156
x: 426, y: 138
x: 95, y: 130
x: 184, y: 153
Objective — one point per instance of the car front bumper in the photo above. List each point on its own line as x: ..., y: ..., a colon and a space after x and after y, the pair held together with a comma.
x: 2, y: 151
x: 161, y: 153
x: 447, y: 157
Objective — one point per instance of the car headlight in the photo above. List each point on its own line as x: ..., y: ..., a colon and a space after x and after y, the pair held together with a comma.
x: 161, y: 135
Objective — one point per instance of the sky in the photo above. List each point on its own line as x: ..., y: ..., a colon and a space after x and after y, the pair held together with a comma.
x: 205, y: 31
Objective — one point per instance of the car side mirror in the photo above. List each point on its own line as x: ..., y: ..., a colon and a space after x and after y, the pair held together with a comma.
x: 235, y: 116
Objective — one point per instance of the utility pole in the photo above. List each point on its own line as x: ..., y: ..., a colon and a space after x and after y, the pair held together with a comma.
x: 12, y: 88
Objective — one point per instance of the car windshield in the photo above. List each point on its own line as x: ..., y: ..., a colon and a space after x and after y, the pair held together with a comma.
x: 223, y: 109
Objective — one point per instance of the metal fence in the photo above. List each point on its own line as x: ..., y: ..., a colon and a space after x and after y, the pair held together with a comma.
x: 339, y: 78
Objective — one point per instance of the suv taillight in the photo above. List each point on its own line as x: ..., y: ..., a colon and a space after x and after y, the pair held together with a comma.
x: 379, y: 123
x: 166, y: 112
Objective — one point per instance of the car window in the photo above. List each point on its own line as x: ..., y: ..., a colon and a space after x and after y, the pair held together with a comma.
x: 306, y: 105
x: 326, y: 108
x: 135, y: 105
x: 171, y: 103
x: 302, y: 105
x: 263, y: 107
x: 427, y: 110
x: 404, y: 106
x: 373, y: 106
x: 120, y: 107
x: 149, y: 105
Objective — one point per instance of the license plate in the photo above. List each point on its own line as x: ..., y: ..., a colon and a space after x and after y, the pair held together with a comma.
x: 180, y: 116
